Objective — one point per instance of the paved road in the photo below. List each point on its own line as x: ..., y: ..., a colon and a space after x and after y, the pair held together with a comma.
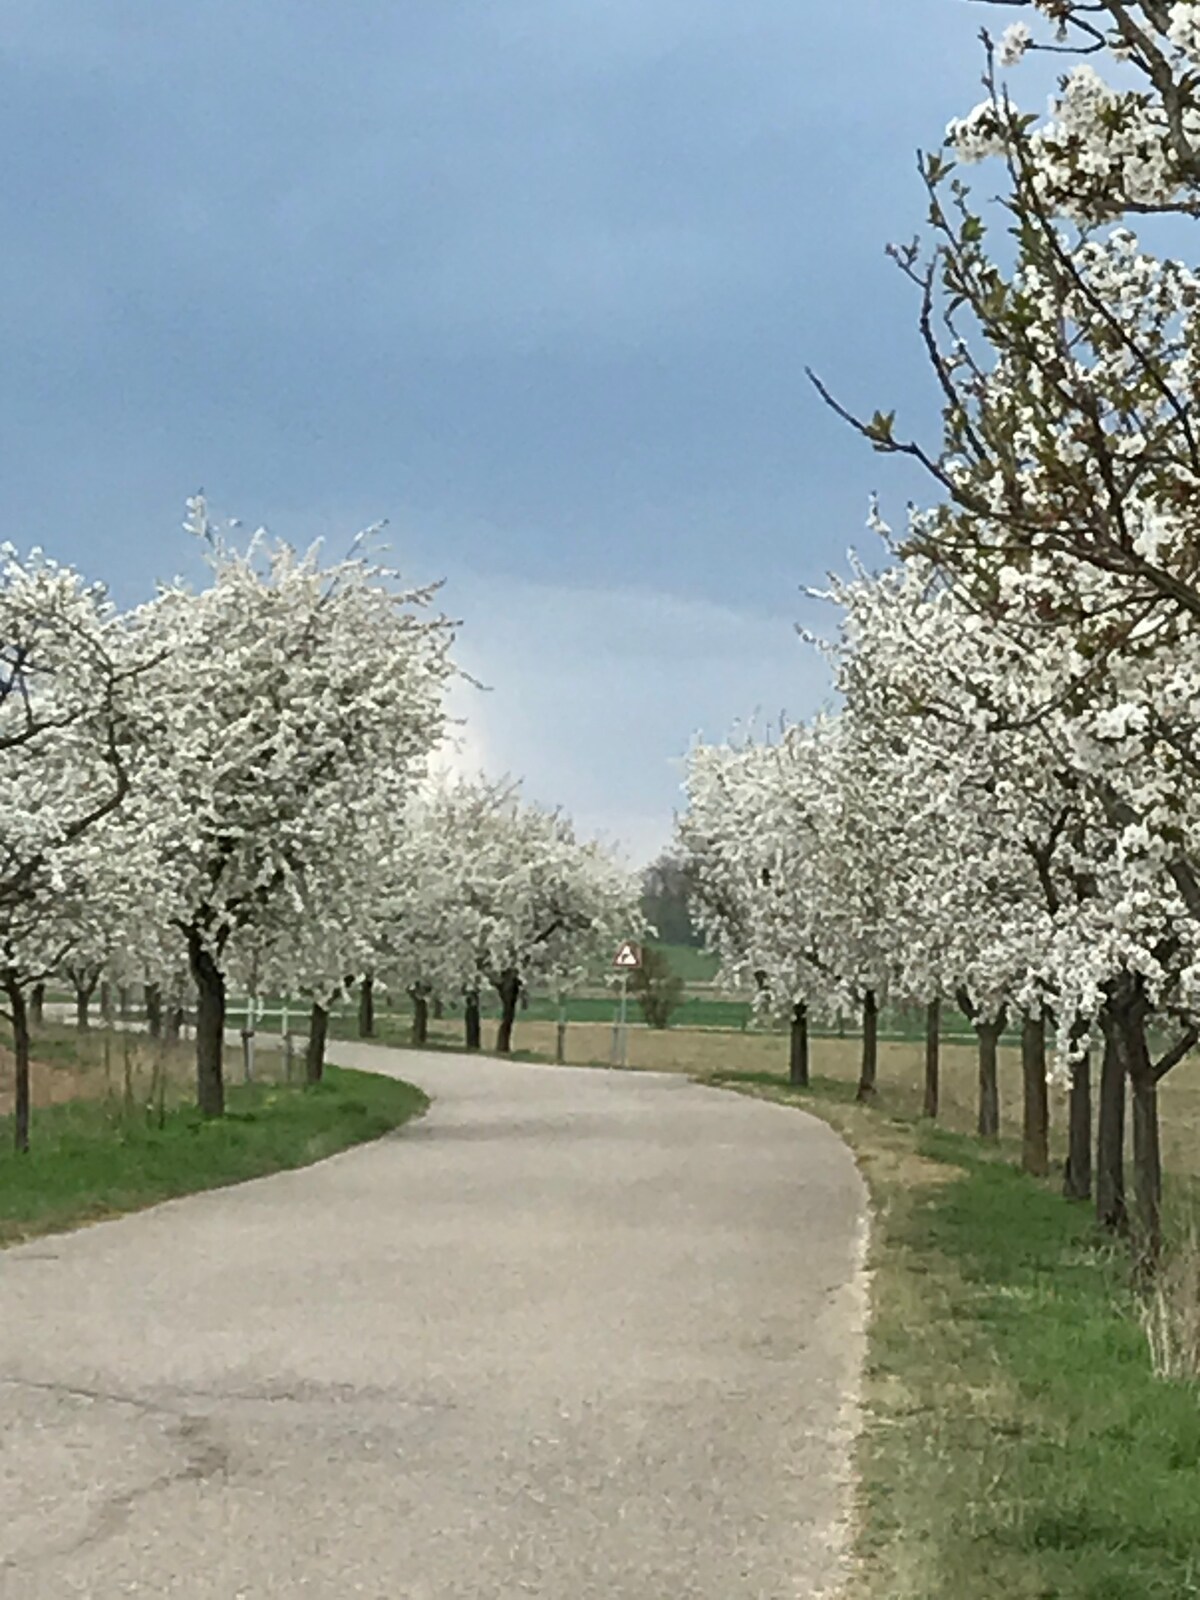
x: 575, y: 1335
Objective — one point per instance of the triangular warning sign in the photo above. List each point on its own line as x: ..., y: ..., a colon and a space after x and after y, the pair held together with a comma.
x: 628, y: 956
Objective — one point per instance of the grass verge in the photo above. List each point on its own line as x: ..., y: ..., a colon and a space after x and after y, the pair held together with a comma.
x: 96, y: 1158
x: 1016, y: 1442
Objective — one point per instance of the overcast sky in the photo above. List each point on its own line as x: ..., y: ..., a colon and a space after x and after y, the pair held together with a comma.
x: 536, y: 280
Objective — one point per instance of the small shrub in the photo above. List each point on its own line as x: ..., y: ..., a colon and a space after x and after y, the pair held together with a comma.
x: 657, y: 987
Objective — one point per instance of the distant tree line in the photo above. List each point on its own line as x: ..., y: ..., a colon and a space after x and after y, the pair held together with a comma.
x: 666, y: 891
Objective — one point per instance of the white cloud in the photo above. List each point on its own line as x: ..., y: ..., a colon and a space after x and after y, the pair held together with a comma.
x: 594, y: 695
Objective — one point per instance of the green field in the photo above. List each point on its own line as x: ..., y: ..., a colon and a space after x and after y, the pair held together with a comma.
x: 692, y: 965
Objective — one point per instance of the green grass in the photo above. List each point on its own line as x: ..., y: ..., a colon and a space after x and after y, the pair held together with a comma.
x: 1019, y: 1433
x: 1017, y: 1444
x: 692, y: 965
x: 92, y: 1158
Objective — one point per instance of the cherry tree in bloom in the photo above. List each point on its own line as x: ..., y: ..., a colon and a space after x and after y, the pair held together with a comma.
x: 430, y: 930
x: 1047, y: 893
x: 1068, y: 375
x: 288, y: 689
x: 754, y: 889
x: 504, y: 894
x: 1068, y: 474
x: 67, y: 676
x: 788, y: 870
x: 1123, y: 132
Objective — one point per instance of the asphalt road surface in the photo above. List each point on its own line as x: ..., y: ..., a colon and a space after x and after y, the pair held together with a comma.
x: 575, y: 1334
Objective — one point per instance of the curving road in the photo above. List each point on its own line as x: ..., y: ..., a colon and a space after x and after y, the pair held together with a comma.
x: 575, y: 1334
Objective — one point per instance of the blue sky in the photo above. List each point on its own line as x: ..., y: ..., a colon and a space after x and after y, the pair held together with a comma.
x: 536, y: 280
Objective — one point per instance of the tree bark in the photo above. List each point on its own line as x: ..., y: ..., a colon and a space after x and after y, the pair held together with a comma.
x: 152, y: 997
x: 870, y: 1048
x: 420, y: 1017
x: 83, y: 1002
x: 989, y: 1077
x: 798, y: 1055
x: 1129, y: 1012
x: 210, y: 1027
x: 37, y: 1005
x: 20, y: 1026
x: 1147, y: 1172
x: 1035, y: 1143
x: 318, y: 1033
x: 1077, y: 1177
x: 471, y: 1021
x: 509, y: 990
x: 1111, y: 1210
x: 366, y: 1008
x: 933, y: 1074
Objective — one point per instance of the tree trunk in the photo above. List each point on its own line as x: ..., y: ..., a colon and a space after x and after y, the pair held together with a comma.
x: 798, y: 1058
x: 366, y: 1008
x: 152, y: 995
x: 933, y: 1064
x: 509, y: 990
x: 1147, y: 1172
x: 1111, y: 1210
x: 1147, y: 1153
x: 318, y: 1033
x: 106, y: 1005
x: 473, y: 1027
x: 870, y: 1048
x: 83, y: 1001
x: 1035, y: 1143
x: 1128, y: 1010
x: 210, y: 1028
x: 20, y: 1027
x: 989, y: 1077
x: 438, y: 1008
x: 420, y: 1017
x: 37, y: 1005
x: 173, y: 1025
x: 1077, y: 1178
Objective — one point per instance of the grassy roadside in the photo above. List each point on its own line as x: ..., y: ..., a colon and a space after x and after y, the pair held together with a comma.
x: 1016, y: 1442
x: 96, y: 1158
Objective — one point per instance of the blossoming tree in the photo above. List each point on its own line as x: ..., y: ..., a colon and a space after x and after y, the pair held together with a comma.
x: 285, y: 687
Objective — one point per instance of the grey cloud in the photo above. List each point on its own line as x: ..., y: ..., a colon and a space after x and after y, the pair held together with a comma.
x: 595, y: 695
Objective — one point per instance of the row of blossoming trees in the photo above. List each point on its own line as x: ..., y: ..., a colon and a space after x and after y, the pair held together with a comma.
x: 1006, y: 807
x: 230, y: 787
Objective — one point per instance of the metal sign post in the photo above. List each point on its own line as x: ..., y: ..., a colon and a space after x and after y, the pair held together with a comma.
x: 627, y: 959
x: 560, y: 1048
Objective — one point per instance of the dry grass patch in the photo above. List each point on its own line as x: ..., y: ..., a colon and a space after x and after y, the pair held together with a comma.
x: 100, y: 1064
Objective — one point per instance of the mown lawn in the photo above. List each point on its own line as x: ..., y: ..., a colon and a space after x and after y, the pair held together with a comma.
x: 1017, y: 1444
x: 97, y: 1157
